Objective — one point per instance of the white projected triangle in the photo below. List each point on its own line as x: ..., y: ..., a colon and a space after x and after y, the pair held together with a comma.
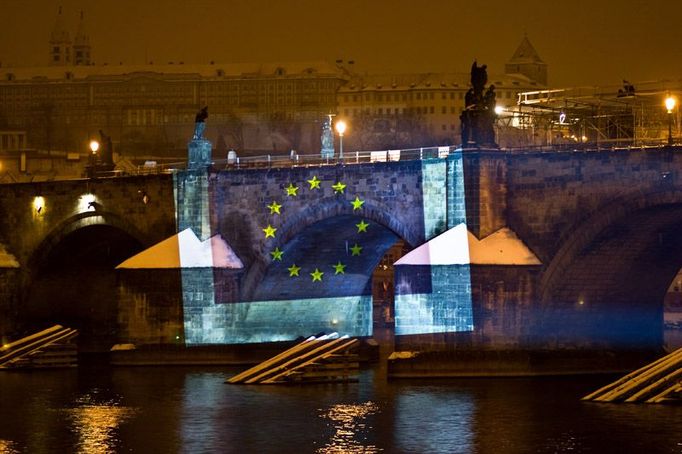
x: 185, y: 250
x: 458, y: 246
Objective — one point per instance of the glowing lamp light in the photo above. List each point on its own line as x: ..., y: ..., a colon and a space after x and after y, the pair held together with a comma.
x: 340, y: 127
x: 670, y: 103
x: 87, y: 202
x: 94, y: 146
x: 38, y: 204
x: 499, y: 110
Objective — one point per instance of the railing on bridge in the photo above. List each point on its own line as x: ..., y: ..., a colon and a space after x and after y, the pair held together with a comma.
x: 358, y: 157
x: 306, y: 160
x: 151, y: 167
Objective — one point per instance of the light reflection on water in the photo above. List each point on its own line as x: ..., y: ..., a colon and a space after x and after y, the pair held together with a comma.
x: 192, y: 410
x: 96, y: 424
x: 7, y: 447
x: 348, y: 421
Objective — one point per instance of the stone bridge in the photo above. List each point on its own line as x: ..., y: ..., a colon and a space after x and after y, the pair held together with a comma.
x: 602, y: 224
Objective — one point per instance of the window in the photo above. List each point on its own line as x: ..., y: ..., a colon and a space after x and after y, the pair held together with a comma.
x: 444, y: 127
x: 452, y: 96
x: 431, y: 109
x: 419, y: 96
x: 443, y: 95
x: 452, y: 110
x: 444, y: 109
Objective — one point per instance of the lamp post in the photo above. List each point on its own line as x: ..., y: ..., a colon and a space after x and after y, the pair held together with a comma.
x: 94, y: 146
x: 340, y: 128
x: 670, y: 102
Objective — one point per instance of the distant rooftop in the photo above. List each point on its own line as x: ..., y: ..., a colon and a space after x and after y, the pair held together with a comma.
x: 525, y: 53
x: 390, y: 82
x: 217, y: 70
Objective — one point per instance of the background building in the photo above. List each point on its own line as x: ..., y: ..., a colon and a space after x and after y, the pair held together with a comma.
x: 415, y: 110
x: 148, y: 110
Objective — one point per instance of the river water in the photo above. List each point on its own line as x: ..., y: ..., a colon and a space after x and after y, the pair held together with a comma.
x: 191, y: 410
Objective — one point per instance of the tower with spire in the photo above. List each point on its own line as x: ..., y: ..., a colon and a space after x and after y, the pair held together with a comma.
x: 60, y: 43
x: 527, y: 62
x: 81, y: 44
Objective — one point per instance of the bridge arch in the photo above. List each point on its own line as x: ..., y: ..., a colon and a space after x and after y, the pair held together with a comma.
x: 322, y: 224
x: 607, y: 282
x: 71, y: 280
x: 78, y: 221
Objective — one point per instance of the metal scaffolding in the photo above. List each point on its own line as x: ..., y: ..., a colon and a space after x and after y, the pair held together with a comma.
x: 592, y: 117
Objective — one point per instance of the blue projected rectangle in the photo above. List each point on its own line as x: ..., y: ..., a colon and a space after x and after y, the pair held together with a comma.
x: 447, y: 308
x: 272, y: 321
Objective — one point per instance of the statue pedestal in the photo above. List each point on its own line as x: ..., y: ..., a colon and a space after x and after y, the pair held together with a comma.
x: 327, y: 153
x: 478, y: 128
x: 199, y: 154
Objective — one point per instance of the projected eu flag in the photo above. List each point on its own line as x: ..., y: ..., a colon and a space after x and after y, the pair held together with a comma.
x: 319, y: 236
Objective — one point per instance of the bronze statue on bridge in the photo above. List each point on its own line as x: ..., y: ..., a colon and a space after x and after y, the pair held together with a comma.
x: 478, y: 117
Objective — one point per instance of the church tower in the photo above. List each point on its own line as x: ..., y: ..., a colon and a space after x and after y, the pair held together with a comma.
x: 527, y: 62
x: 81, y: 45
x: 60, y: 43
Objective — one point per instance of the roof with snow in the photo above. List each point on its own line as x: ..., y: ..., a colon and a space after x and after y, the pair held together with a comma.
x: 458, y: 246
x: 7, y: 260
x: 185, y: 250
x: 525, y: 53
x: 172, y: 71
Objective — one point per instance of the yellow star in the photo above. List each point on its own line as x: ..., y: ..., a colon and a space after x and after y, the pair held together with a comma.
x: 339, y: 268
x: 357, y: 203
x: 269, y: 231
x: 317, y: 275
x: 362, y: 226
x: 291, y: 190
x: 339, y: 187
x: 314, y: 183
x: 356, y: 250
x: 274, y: 207
x: 293, y: 270
x: 277, y: 254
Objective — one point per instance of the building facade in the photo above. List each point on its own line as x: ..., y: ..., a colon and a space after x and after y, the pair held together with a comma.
x: 148, y: 110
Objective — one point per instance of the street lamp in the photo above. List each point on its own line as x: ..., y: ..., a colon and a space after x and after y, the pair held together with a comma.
x: 94, y: 146
x: 340, y: 128
x: 670, y: 102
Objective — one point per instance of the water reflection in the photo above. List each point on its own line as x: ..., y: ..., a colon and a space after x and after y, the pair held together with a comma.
x: 95, y: 424
x: 206, y: 414
x: 7, y: 447
x: 348, y: 422
x: 427, y: 420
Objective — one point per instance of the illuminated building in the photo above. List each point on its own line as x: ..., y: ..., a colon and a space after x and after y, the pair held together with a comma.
x: 148, y: 110
x: 413, y: 110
